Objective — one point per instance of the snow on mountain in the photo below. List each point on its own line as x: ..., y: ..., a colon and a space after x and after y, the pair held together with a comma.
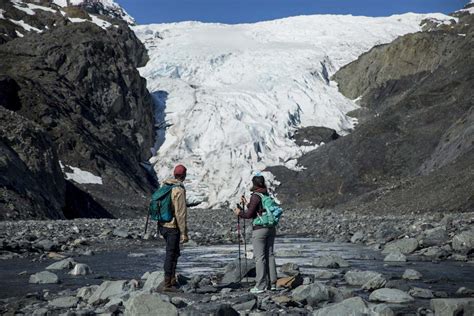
x: 104, y: 7
x: 228, y: 97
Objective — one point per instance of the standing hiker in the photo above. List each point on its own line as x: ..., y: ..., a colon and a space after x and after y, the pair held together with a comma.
x: 263, y: 237
x: 175, y: 231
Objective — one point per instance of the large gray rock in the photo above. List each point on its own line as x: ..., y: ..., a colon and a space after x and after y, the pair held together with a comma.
x: 67, y: 263
x: 232, y: 273
x: 464, y: 242
x: 433, y: 237
x: 149, y: 304
x: 356, y: 277
x: 405, y: 246
x: 452, y: 306
x: 44, y: 277
x: 330, y: 261
x: 81, y: 269
x: 395, y: 256
x: 64, y: 302
x: 153, y: 281
x: 390, y: 296
x: 375, y: 283
x: 421, y: 293
x: 311, y: 294
x: 107, y: 290
x: 354, y: 306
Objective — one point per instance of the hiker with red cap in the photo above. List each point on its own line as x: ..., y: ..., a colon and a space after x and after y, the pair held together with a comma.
x: 174, y: 231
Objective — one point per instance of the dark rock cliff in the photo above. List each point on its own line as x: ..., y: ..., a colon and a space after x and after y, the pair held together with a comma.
x: 79, y: 82
x: 414, y: 149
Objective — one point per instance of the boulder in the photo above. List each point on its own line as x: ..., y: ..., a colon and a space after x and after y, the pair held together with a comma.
x: 395, y: 256
x: 357, y: 237
x: 390, y: 296
x: 405, y: 246
x: 411, y: 274
x: 452, y: 306
x: 375, y: 283
x: 356, y: 277
x: 107, y: 290
x: 81, y: 269
x: 64, y: 302
x: 44, y: 277
x: 311, y: 294
x: 67, y: 263
x: 464, y: 242
x: 153, y: 281
x: 232, y: 273
x: 290, y: 269
x: 381, y: 310
x: 330, y: 261
x: 433, y: 237
x: 421, y: 293
x: 349, y: 307
x: 324, y: 274
x: 149, y: 304
x: 86, y: 292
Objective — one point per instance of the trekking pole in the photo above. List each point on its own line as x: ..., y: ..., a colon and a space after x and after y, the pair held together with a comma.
x: 146, y: 223
x: 245, y: 247
x: 240, y: 259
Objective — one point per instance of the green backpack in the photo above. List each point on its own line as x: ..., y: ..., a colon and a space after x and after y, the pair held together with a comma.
x: 161, y: 209
x: 272, y: 213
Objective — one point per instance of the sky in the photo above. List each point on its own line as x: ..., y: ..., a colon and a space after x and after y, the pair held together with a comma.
x: 248, y: 11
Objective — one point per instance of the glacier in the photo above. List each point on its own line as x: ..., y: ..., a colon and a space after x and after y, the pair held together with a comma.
x: 229, y: 97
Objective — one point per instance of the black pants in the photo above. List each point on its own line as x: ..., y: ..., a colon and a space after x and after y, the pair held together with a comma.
x: 171, y: 236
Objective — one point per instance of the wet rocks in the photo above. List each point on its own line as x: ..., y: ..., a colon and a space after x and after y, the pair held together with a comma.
x: 311, y: 294
x: 330, y: 261
x: 107, y: 290
x: 44, y: 277
x: 453, y: 306
x: 148, y: 304
x: 395, y: 256
x: 356, y: 277
x: 81, y: 269
x: 375, y: 283
x: 154, y: 281
x: 350, y: 306
x: 64, y: 302
x: 67, y: 263
x: 421, y: 293
x: 464, y: 242
x: 411, y: 274
x: 390, y: 296
x: 405, y: 246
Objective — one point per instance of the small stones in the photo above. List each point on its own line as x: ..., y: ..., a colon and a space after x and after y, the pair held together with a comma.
x: 44, y: 277
x: 118, y: 232
x: 411, y: 274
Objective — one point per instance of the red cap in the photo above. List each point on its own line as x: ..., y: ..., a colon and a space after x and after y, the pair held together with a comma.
x: 179, y: 170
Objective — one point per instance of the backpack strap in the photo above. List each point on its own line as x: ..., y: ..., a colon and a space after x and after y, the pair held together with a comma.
x: 261, y: 201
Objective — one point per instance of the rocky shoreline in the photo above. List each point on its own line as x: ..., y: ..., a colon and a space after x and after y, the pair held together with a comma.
x: 336, y: 288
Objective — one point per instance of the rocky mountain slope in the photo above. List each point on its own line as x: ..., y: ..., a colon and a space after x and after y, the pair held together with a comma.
x: 413, y: 150
x: 71, y: 98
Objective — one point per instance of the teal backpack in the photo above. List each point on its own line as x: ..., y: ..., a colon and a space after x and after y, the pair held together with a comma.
x: 161, y: 208
x: 272, y: 213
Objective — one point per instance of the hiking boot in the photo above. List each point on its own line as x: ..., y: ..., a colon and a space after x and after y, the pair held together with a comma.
x: 168, y: 287
x: 255, y: 290
x: 174, y: 281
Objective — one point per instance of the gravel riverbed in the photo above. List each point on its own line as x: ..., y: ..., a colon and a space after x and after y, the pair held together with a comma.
x: 397, y: 264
